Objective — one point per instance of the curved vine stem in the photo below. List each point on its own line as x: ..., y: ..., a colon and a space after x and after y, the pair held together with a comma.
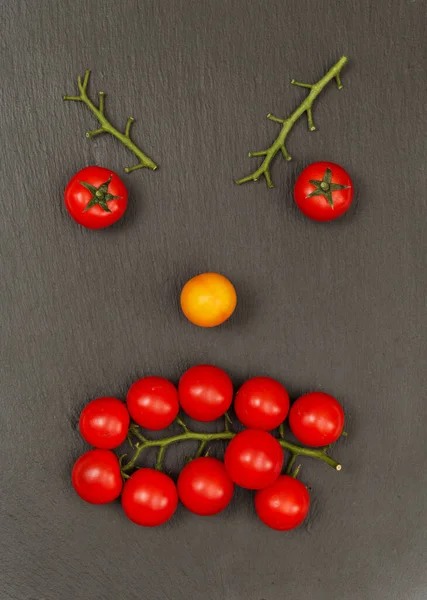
x: 107, y: 127
x: 287, y: 124
x: 160, y: 455
x: 291, y: 464
x: 205, y: 438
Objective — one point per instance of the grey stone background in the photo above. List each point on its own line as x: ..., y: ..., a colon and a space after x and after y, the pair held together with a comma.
x: 338, y: 307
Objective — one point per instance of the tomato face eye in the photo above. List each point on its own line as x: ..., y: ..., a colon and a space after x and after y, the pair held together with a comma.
x: 314, y: 185
x: 98, y: 189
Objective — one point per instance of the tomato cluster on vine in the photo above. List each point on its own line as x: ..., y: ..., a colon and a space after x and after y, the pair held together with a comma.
x: 254, y: 457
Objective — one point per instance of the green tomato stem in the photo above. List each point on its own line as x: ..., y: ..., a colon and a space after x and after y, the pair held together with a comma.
x: 287, y: 124
x: 291, y: 464
x: 205, y: 438
x: 107, y: 127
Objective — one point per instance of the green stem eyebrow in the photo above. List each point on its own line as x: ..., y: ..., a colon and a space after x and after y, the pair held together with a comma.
x: 305, y: 107
x: 106, y: 127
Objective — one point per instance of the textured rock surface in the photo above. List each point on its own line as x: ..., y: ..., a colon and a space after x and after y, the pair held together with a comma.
x: 336, y: 307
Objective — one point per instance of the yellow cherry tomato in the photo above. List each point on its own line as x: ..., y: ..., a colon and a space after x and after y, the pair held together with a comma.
x: 208, y: 299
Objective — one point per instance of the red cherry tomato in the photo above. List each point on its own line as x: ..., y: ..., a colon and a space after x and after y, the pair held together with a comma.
x: 96, y: 477
x: 149, y: 498
x: 153, y: 402
x: 261, y: 403
x: 204, y: 486
x: 104, y: 423
x: 253, y: 459
x: 323, y: 191
x: 205, y: 392
x: 284, y: 504
x: 316, y: 419
x: 96, y: 197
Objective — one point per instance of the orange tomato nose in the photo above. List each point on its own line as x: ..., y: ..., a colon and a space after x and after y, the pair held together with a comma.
x: 208, y: 300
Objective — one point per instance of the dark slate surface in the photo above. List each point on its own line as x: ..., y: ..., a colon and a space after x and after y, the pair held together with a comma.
x: 337, y: 307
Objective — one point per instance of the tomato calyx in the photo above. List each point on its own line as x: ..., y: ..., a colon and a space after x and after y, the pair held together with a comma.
x: 326, y: 187
x: 100, y: 195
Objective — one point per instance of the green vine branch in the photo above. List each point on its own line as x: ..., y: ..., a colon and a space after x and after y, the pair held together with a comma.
x: 287, y: 124
x: 204, y: 439
x: 107, y: 127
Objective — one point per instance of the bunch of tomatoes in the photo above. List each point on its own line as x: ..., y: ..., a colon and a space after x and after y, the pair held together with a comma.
x: 254, y: 458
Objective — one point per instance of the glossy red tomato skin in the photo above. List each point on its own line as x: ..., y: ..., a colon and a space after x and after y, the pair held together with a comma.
x: 317, y: 208
x: 104, y: 423
x: 284, y: 504
x: 76, y: 198
x: 316, y: 419
x: 261, y: 403
x: 149, y: 498
x: 153, y: 402
x: 253, y: 459
x: 96, y: 477
x: 204, y: 486
x: 205, y: 392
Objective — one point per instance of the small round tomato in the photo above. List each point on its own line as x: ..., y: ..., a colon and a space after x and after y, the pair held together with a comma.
x: 284, y: 504
x: 205, y: 392
x: 149, y: 498
x: 323, y: 191
x: 316, y: 419
x: 96, y: 477
x: 204, y: 486
x: 96, y: 197
x: 104, y: 423
x: 261, y: 403
x: 253, y: 459
x: 153, y: 402
x: 208, y: 299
